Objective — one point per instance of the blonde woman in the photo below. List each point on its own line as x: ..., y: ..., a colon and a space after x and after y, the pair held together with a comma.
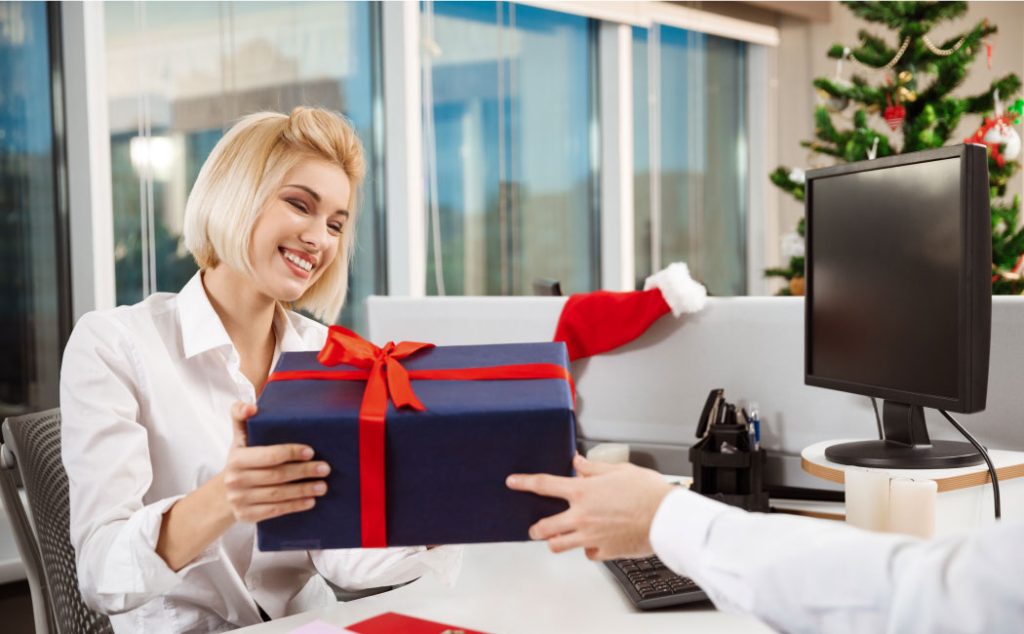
x: 154, y: 398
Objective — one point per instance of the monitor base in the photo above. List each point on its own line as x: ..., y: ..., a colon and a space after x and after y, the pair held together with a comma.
x: 887, y: 454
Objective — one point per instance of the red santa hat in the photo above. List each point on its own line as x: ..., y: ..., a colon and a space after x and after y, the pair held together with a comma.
x: 592, y: 323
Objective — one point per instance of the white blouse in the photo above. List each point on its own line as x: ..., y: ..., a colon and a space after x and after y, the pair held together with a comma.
x: 800, y: 574
x: 145, y: 396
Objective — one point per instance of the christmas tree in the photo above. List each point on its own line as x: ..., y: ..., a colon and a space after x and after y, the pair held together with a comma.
x: 916, y: 103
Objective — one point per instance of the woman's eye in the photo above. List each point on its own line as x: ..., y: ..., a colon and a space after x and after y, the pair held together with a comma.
x: 299, y: 205
x: 335, y: 227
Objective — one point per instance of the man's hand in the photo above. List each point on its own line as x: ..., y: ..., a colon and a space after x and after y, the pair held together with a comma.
x: 264, y: 482
x: 611, y: 507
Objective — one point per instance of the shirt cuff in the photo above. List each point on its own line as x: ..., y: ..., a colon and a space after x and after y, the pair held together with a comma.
x: 356, y: 569
x: 136, y: 568
x: 680, y: 529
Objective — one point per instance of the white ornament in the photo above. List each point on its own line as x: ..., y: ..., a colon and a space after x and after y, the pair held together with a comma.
x: 793, y: 246
x: 1004, y: 134
x: 873, y: 152
x: 797, y: 175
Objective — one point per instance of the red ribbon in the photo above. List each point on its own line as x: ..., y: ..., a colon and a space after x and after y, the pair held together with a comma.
x: 387, y: 379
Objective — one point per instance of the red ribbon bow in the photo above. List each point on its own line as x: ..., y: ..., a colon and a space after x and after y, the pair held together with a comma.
x: 387, y: 379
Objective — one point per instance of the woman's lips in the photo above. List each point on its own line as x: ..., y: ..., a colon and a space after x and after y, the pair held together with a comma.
x: 295, y: 268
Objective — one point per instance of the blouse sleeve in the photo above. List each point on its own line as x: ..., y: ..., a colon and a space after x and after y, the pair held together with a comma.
x: 106, y: 455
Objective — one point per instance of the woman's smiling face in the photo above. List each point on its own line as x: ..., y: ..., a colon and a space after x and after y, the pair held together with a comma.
x: 300, y: 231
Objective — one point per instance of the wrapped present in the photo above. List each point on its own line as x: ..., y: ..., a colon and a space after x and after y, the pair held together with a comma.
x: 420, y: 440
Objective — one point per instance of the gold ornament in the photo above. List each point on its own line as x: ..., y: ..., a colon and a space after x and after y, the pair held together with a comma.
x: 796, y: 286
x: 905, y: 77
x: 905, y: 94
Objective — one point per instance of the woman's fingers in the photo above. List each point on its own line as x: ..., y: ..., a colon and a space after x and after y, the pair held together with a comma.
x: 260, y: 512
x: 268, y: 456
x: 253, y: 496
x: 290, y: 472
x: 240, y: 414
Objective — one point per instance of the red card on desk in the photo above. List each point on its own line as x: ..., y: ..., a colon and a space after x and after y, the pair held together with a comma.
x: 394, y: 623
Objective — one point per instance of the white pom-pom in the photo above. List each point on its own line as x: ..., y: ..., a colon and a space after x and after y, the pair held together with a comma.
x: 797, y: 175
x: 681, y: 292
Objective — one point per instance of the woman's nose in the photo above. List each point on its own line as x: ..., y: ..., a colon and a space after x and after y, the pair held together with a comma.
x: 314, y: 235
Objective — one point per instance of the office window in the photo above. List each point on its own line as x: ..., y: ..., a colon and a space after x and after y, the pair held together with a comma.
x: 35, y: 313
x: 179, y: 74
x: 690, y: 152
x: 509, y: 124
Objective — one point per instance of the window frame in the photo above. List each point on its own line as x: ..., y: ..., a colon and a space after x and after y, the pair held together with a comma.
x: 404, y: 220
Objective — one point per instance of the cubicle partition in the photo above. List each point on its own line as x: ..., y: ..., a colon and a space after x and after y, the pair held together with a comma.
x: 650, y: 392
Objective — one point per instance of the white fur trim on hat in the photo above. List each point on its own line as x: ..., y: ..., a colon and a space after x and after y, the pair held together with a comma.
x: 681, y: 292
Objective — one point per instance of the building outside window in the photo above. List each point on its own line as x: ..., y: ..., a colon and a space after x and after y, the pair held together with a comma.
x: 180, y: 74
x: 35, y: 312
x: 509, y: 126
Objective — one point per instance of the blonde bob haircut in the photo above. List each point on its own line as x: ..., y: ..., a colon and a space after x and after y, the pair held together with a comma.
x: 245, y: 170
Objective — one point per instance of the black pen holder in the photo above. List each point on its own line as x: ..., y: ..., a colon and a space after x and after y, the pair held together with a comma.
x: 735, y: 478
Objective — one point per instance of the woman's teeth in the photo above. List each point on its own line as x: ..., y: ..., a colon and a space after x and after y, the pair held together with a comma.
x: 305, y: 265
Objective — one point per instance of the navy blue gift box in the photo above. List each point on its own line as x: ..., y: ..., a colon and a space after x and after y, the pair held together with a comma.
x: 445, y: 467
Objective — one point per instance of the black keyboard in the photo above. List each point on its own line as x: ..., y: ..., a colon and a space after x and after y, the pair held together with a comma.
x: 649, y: 584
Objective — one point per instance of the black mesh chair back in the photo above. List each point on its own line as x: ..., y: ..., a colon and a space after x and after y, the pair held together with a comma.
x: 32, y: 446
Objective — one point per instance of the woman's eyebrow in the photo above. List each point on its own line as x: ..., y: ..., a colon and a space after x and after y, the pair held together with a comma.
x: 309, y: 191
x: 316, y: 197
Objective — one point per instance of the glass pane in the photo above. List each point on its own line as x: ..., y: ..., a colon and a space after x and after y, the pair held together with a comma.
x: 701, y: 131
x: 179, y: 74
x: 510, y: 95
x: 31, y: 332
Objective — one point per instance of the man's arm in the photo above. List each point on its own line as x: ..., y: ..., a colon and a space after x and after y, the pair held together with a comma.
x: 797, y: 574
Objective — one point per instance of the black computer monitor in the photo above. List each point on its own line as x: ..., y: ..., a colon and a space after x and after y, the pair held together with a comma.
x: 899, y: 296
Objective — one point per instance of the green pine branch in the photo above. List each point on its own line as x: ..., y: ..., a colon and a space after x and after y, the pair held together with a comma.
x: 1008, y: 87
x: 910, y: 18
x: 780, y: 178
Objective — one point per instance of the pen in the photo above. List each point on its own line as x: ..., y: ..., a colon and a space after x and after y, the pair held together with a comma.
x: 755, y: 421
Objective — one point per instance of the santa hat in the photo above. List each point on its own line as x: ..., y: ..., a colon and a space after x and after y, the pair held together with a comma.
x: 592, y: 323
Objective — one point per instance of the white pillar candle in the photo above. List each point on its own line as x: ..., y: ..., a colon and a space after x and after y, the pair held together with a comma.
x: 609, y: 452
x: 912, y: 507
x: 867, y: 498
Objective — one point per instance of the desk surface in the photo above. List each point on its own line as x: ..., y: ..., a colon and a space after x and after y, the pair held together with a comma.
x: 1008, y: 465
x: 521, y: 587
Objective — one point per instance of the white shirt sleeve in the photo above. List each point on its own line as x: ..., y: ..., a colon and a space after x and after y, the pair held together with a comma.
x: 805, y: 575
x: 358, y: 569
x: 106, y: 456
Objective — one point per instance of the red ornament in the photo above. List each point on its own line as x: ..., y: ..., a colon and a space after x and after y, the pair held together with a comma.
x: 894, y: 116
x: 979, y: 136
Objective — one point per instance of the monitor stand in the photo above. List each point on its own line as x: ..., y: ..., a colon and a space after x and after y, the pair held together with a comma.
x: 906, y: 445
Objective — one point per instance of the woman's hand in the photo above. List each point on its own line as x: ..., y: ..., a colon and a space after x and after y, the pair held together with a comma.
x: 611, y: 507
x: 268, y: 481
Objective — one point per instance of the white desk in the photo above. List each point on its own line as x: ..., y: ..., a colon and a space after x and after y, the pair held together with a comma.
x: 521, y: 587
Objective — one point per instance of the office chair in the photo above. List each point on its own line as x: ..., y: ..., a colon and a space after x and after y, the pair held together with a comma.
x: 31, y: 448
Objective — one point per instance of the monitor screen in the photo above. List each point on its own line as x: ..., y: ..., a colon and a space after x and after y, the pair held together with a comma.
x: 893, y: 278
